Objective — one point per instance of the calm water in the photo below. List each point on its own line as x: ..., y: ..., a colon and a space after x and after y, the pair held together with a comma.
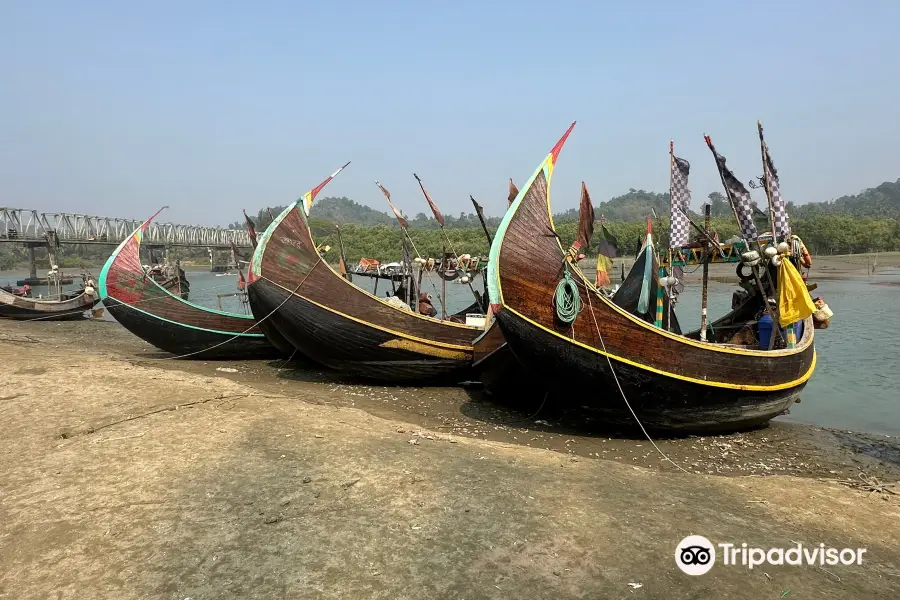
x: 855, y: 386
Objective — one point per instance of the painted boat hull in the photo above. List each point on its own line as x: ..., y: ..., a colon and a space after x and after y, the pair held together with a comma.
x: 24, y: 309
x: 265, y: 324
x: 350, y: 346
x: 501, y: 373
x: 179, y: 340
x: 340, y: 325
x: 578, y: 377
x: 671, y: 382
x: 169, y: 322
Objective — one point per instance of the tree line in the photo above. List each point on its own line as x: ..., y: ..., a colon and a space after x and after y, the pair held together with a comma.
x: 865, y: 222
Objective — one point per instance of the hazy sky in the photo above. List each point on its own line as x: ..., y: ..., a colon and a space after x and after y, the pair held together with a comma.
x: 116, y: 108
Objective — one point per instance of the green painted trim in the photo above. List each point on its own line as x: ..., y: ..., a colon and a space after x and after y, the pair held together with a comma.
x: 226, y: 333
x: 495, y: 294
x: 256, y: 259
x: 105, y: 294
x: 101, y: 283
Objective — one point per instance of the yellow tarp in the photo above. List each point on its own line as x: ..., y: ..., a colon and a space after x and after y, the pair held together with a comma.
x: 794, y: 303
x: 603, y: 267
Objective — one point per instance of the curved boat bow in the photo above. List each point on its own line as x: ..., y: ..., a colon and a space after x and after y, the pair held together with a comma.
x: 169, y: 322
x: 613, y: 361
x: 340, y: 325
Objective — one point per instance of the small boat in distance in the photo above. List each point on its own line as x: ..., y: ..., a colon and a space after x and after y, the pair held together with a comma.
x: 20, y: 304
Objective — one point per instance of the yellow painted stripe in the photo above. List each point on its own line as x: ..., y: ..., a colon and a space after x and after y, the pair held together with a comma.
x: 426, y: 349
x: 721, y: 384
x: 467, y: 348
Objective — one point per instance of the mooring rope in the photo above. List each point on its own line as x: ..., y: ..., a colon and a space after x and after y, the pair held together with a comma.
x: 237, y: 335
x: 619, y: 385
x: 567, y: 299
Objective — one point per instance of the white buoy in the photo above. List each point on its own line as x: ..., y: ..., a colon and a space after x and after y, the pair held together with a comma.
x: 464, y: 279
x: 783, y: 247
x: 771, y: 251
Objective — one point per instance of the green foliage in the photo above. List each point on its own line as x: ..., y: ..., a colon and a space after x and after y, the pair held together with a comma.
x: 633, y: 206
x: 878, y: 202
x: 868, y: 222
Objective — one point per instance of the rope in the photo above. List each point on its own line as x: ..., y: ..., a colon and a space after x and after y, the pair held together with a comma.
x: 622, y: 392
x: 567, y: 300
x: 237, y: 335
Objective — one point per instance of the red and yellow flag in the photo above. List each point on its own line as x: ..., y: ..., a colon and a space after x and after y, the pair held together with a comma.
x: 309, y: 196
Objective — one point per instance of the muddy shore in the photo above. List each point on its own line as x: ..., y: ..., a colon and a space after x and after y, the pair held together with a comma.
x: 127, y: 475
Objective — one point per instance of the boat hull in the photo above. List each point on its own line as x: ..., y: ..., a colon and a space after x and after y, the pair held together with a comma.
x: 181, y: 340
x: 672, y: 382
x: 353, y: 346
x: 267, y: 326
x: 661, y: 403
x: 24, y: 309
x: 172, y: 324
x: 501, y: 374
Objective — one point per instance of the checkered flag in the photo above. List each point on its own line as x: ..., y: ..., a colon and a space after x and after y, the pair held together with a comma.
x: 738, y: 195
x: 680, y: 199
x: 776, y: 203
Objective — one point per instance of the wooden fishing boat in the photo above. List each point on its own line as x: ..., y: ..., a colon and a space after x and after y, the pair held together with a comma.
x: 616, y: 362
x: 69, y: 306
x: 338, y: 324
x: 175, y: 282
x: 165, y: 320
x: 494, y: 364
x: 266, y: 325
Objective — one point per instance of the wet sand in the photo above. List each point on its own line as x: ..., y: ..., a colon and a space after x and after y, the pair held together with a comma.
x: 130, y: 476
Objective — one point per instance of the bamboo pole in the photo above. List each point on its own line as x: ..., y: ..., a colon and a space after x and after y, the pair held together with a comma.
x: 755, y: 269
x: 444, y: 281
x: 705, y: 286
x: 766, y: 183
x: 669, y: 295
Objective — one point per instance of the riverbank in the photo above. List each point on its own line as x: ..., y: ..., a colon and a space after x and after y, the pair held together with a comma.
x: 827, y: 267
x: 128, y: 476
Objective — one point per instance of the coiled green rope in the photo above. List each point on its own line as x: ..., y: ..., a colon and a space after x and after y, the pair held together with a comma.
x: 567, y: 300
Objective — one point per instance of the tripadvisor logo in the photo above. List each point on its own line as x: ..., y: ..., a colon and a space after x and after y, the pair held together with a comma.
x: 696, y: 555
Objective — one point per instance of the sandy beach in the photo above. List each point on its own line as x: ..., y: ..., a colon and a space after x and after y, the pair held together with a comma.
x: 130, y: 476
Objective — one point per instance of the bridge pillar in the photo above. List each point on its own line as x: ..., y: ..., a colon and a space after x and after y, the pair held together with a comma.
x: 32, y: 263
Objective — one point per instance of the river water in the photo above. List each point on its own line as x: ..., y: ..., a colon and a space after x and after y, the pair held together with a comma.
x: 857, y: 378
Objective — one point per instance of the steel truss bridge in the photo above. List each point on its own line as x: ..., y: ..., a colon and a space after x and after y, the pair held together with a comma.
x: 31, y: 227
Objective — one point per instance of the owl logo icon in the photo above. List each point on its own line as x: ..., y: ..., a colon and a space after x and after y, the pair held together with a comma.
x: 695, y: 555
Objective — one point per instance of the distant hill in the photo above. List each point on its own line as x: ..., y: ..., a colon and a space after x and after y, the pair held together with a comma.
x: 344, y: 210
x: 882, y: 201
x: 635, y: 205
